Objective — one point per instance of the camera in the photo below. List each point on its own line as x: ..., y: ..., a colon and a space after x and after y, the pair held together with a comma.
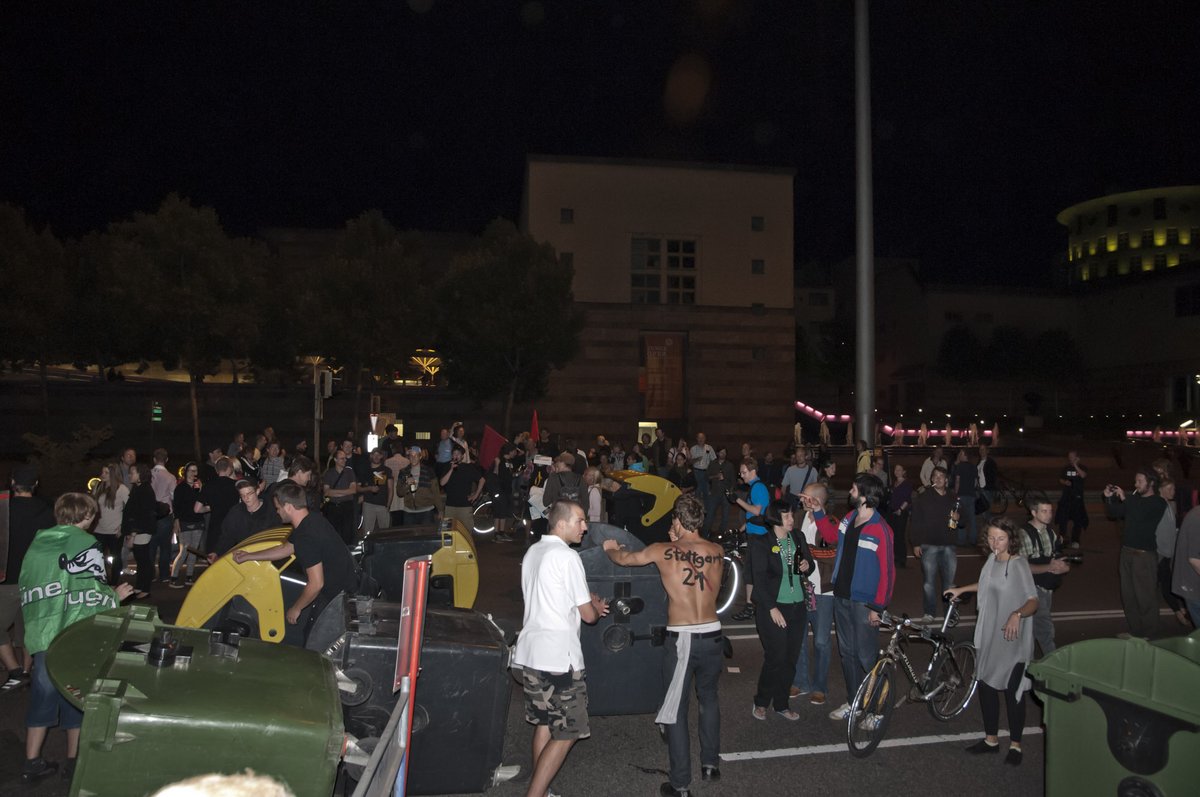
x: 732, y: 494
x: 1070, y: 558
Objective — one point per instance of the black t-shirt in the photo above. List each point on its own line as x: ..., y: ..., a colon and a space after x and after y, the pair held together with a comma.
x: 1075, y: 489
x: 221, y: 495
x: 845, y: 574
x: 460, y: 484
x: 316, y: 542
x: 185, y: 500
x: 27, y: 515
x: 968, y: 478
x: 377, y: 475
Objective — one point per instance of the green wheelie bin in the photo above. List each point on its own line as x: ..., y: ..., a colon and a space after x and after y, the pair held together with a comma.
x: 163, y: 703
x: 1122, y: 717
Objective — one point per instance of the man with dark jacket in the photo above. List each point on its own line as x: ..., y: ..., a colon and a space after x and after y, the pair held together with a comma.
x: 248, y: 518
x: 864, y: 574
x: 1142, y: 511
x: 932, y: 538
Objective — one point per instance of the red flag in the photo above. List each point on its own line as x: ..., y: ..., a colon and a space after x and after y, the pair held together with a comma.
x: 489, y: 446
x: 533, y: 427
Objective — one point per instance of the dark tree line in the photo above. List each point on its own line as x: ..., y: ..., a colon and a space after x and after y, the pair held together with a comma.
x: 173, y: 286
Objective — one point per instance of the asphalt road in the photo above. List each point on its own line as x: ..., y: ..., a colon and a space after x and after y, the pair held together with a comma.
x: 625, y: 755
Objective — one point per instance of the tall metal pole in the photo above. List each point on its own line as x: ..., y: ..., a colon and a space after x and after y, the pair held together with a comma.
x: 864, y: 223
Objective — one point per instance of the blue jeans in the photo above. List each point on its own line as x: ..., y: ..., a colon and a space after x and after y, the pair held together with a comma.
x: 702, y: 490
x: 858, y: 642
x: 937, y: 560
x: 160, y: 544
x: 47, y: 706
x: 821, y: 623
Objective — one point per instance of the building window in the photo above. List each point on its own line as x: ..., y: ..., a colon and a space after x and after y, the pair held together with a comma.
x: 1160, y: 262
x: 1111, y: 269
x: 1091, y: 247
x: 681, y: 254
x: 1160, y: 209
x: 649, y: 258
x: 1122, y: 240
x: 1135, y: 265
x: 1172, y: 236
x: 758, y: 223
x: 1193, y: 237
x: 566, y: 259
x: 1102, y: 244
x: 817, y: 299
x: 681, y: 289
x: 1112, y: 215
x: 758, y: 267
x: 1147, y: 238
x: 1187, y: 300
x: 566, y: 215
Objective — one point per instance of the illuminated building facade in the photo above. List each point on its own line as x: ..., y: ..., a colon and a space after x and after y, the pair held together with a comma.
x: 1135, y: 232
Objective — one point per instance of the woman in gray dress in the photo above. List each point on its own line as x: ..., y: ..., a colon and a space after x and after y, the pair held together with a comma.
x: 1003, y: 636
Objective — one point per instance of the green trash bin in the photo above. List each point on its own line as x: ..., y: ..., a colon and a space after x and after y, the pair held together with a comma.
x: 163, y: 703
x: 1122, y: 717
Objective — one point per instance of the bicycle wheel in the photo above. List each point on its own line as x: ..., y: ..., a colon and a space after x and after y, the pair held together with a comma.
x: 999, y: 501
x: 481, y: 518
x: 871, y: 710
x: 954, y: 673
x: 731, y: 585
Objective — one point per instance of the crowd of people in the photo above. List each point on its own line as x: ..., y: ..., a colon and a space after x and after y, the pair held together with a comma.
x: 814, y: 558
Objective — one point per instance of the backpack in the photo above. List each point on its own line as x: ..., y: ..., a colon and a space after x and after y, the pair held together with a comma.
x: 571, y: 488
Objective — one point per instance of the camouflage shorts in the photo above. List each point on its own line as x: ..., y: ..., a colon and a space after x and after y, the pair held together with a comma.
x: 558, y: 700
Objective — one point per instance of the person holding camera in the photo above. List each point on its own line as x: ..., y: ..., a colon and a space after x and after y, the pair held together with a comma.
x: 753, y: 503
x: 1042, y: 547
x: 781, y: 562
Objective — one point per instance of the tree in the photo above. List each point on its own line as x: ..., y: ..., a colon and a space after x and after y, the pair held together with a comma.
x: 195, y: 288
x: 359, y: 325
x: 1007, y: 354
x: 506, y: 317
x: 960, y: 354
x: 33, y: 304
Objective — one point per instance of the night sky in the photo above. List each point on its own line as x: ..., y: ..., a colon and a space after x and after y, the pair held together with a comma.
x: 989, y: 117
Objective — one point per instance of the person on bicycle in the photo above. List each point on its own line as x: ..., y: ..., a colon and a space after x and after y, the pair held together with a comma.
x: 1003, y: 637
x: 864, y: 574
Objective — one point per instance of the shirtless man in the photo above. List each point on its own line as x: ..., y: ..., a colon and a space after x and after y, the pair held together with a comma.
x: 690, y: 568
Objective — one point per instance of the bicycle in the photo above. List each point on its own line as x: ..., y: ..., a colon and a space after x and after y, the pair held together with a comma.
x: 1010, y: 491
x: 946, y: 686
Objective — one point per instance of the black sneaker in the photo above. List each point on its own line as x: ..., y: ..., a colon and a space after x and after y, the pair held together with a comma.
x: 982, y: 746
x: 176, y: 583
x: 745, y: 613
x: 34, y: 769
x: 16, y: 679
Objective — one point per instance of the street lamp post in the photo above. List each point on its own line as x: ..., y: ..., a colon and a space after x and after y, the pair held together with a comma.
x: 864, y: 222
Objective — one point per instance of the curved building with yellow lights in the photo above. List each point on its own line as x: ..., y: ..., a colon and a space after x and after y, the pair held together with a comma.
x: 1131, y: 233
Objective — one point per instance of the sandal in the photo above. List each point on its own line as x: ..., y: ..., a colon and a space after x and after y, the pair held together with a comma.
x: 759, y: 712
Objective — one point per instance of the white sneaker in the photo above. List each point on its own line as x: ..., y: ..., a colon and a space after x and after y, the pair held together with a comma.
x: 840, y: 712
x: 870, y: 722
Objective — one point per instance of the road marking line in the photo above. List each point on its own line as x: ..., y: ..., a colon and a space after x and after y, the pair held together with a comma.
x: 821, y: 749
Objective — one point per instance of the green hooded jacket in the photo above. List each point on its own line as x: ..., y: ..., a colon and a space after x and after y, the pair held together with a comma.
x: 62, y: 581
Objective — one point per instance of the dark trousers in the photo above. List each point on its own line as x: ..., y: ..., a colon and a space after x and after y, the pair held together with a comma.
x: 1174, y: 602
x: 703, y: 669
x: 781, y: 649
x: 1139, y: 590
x: 899, y: 525
x: 341, y: 516
x: 160, y: 546
x: 144, y: 556
x: 111, y: 545
x: 989, y: 705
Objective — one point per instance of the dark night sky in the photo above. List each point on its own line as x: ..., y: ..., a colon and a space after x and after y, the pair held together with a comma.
x: 989, y: 117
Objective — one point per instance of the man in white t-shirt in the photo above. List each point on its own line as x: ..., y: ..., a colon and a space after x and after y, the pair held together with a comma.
x: 548, y: 653
x: 934, y: 460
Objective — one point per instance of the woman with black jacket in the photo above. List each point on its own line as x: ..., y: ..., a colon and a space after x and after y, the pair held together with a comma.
x: 141, y: 517
x: 780, y: 563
